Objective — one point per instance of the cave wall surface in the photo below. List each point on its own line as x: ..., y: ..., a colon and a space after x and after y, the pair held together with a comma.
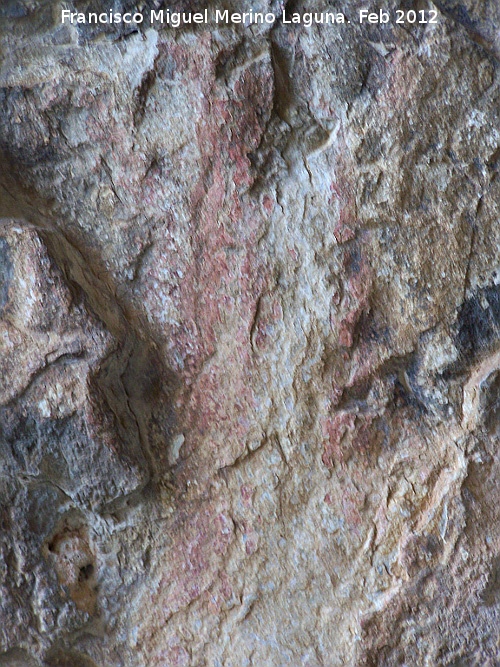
x: 249, y: 339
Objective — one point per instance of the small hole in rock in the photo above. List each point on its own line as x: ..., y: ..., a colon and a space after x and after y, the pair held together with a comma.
x: 86, y: 572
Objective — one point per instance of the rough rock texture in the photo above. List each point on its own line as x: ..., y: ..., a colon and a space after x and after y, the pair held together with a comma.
x: 250, y: 340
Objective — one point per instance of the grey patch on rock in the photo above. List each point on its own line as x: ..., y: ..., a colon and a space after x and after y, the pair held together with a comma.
x: 13, y: 9
x: 5, y: 273
x: 17, y: 658
x: 479, y: 322
x: 60, y: 658
x: 491, y: 594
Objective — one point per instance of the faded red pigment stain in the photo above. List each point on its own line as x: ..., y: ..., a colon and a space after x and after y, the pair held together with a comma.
x: 345, y: 228
x: 191, y: 571
x: 210, y: 278
x: 223, y: 277
x: 403, y: 79
x: 343, y: 189
x: 356, y: 299
x: 334, y: 430
x: 200, y: 541
x: 269, y: 314
x: 247, y: 494
x: 220, y: 593
x: 175, y: 654
x: 221, y: 287
x: 250, y: 537
x: 268, y: 203
x: 347, y: 434
x: 352, y: 502
x: 365, y: 436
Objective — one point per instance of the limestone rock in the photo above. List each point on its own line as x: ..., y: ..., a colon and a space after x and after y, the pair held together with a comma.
x: 249, y: 339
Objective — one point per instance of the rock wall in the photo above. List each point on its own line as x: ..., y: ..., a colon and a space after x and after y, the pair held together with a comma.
x: 250, y: 339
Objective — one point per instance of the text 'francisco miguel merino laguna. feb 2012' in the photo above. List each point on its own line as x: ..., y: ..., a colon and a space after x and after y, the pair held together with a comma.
x: 225, y: 17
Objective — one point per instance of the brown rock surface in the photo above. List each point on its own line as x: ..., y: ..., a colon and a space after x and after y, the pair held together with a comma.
x: 249, y: 340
